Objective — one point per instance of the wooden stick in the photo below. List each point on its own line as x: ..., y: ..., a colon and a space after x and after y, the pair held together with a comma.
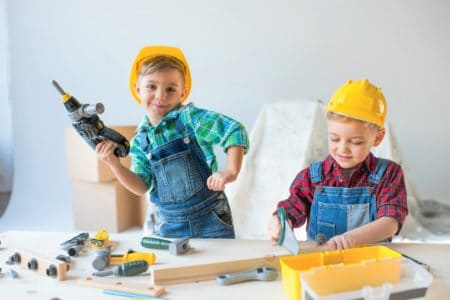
x: 120, y: 285
x: 166, y: 275
x: 209, y: 271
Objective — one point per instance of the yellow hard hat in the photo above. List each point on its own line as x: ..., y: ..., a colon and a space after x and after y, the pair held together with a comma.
x: 359, y: 100
x: 149, y: 52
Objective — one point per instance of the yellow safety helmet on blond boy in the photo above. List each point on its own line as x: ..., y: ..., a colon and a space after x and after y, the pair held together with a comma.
x: 149, y: 52
x: 360, y: 100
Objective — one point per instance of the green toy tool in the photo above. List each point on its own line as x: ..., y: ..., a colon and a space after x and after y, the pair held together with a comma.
x: 287, y: 238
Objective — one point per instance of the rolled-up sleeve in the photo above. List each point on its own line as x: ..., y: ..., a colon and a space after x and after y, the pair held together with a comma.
x: 299, y: 203
x: 217, y: 129
x: 392, y: 198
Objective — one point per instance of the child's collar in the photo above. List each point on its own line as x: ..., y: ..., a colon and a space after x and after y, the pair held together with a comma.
x: 369, y: 163
x: 173, y: 114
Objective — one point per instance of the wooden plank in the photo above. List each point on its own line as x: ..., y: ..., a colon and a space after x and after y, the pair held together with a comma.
x: 213, y: 257
x: 42, y: 264
x: 121, y: 285
x: 195, y: 273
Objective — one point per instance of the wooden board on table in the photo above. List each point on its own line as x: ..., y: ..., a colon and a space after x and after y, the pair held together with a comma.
x: 42, y: 263
x: 211, y: 257
x: 121, y: 285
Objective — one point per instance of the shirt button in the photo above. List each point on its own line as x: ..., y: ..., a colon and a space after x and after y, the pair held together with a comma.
x: 186, y: 140
x: 149, y: 156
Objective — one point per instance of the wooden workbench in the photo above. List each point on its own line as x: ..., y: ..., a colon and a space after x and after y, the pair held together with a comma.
x: 32, y: 286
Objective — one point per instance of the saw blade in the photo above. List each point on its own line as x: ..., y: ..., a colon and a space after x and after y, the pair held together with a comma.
x: 290, y: 241
x: 287, y: 237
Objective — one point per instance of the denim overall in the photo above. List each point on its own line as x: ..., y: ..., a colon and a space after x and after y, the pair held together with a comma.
x: 185, y: 205
x: 336, y: 210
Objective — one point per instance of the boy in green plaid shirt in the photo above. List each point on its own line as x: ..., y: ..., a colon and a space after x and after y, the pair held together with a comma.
x: 172, y: 151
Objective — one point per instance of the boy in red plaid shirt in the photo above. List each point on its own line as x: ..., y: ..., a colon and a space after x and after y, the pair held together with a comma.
x: 351, y: 197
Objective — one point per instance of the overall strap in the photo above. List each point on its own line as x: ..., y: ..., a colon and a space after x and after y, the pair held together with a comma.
x: 178, y: 123
x: 315, y: 170
x: 375, y: 177
x: 143, y: 139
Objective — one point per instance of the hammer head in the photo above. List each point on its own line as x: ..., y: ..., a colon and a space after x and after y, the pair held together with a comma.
x: 179, y: 246
x: 102, y: 258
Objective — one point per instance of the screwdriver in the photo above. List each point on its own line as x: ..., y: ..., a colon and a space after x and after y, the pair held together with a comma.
x: 127, y: 269
x: 176, y: 247
x: 155, y: 243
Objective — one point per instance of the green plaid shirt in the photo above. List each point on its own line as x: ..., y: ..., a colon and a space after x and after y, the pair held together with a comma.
x: 210, y: 128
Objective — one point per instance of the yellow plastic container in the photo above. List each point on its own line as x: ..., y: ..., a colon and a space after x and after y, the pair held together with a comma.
x: 341, y: 270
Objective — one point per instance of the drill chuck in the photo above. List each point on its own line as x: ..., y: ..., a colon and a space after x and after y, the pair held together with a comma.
x: 89, y: 110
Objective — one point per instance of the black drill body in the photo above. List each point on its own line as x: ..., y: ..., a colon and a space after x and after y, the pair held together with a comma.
x: 87, y: 123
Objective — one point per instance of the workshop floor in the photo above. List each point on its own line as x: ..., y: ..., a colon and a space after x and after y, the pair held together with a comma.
x: 4, y: 199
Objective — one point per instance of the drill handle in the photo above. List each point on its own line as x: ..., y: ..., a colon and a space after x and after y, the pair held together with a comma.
x: 122, y: 144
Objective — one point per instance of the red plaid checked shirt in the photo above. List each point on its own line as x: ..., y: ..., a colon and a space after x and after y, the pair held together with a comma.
x: 390, y: 193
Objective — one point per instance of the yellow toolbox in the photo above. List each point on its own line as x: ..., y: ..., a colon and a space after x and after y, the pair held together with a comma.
x: 338, y: 271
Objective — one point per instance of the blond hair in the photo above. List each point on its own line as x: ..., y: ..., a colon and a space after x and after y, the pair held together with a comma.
x: 342, y: 118
x: 160, y: 63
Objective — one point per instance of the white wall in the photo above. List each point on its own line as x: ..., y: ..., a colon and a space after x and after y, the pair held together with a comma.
x: 6, y: 161
x: 242, y: 54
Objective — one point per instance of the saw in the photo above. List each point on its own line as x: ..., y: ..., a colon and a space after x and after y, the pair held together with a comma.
x: 287, y: 237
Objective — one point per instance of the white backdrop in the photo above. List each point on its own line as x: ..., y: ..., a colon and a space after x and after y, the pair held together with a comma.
x: 6, y: 161
x: 243, y: 54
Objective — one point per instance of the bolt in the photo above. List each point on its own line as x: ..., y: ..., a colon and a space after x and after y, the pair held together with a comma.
x: 74, y: 250
x: 15, y: 258
x: 51, y: 271
x: 64, y: 258
x: 33, y: 264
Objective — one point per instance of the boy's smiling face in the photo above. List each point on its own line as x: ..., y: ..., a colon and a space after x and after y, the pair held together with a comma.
x: 160, y: 92
x: 350, y: 141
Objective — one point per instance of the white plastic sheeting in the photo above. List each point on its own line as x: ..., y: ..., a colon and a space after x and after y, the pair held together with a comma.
x: 286, y: 137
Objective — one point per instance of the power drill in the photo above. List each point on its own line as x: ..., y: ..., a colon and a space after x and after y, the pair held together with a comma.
x: 86, y: 122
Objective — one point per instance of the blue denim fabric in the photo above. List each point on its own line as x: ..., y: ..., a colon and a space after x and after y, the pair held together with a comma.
x: 185, y: 205
x: 336, y: 210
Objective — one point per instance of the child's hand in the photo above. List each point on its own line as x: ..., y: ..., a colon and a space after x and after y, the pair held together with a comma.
x: 105, y: 152
x: 217, y: 181
x: 274, y: 228
x: 342, y: 241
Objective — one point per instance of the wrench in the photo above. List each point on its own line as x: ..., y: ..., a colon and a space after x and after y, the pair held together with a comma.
x: 262, y: 273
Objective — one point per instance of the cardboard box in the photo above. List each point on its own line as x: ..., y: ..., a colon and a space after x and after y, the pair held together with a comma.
x: 82, y: 162
x: 105, y: 205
